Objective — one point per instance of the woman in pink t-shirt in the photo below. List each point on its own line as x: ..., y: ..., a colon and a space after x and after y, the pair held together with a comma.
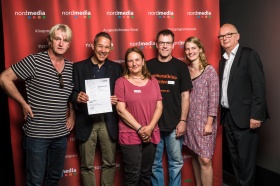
x: 139, y: 107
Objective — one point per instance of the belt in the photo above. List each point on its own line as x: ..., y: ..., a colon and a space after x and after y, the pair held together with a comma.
x: 99, y: 117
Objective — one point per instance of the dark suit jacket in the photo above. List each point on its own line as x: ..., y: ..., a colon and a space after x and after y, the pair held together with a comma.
x: 82, y: 71
x: 246, y: 87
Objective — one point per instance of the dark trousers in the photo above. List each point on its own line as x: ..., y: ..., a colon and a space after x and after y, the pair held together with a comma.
x: 138, y: 161
x: 44, y: 157
x: 242, y: 145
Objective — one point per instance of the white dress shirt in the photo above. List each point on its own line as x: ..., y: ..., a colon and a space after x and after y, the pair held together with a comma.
x: 229, y: 61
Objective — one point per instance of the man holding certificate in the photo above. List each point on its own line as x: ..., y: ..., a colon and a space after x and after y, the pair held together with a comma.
x: 96, y: 120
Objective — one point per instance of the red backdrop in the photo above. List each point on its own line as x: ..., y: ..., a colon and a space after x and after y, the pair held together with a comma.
x: 130, y: 23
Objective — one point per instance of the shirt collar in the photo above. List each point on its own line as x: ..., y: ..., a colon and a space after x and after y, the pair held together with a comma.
x: 233, y: 52
x: 104, y: 64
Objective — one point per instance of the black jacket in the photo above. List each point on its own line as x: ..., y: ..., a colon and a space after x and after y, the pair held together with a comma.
x: 246, y: 87
x: 82, y: 71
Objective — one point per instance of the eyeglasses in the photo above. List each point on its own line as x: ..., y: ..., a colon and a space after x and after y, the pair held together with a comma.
x: 228, y: 35
x: 161, y: 43
x: 61, y: 85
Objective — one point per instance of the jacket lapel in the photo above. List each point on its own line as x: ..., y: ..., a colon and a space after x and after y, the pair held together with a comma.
x: 235, y: 63
x: 88, y: 69
x: 107, y: 69
x: 221, y: 68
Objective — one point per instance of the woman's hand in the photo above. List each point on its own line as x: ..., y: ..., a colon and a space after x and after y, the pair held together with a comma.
x: 145, y: 133
x: 207, y: 129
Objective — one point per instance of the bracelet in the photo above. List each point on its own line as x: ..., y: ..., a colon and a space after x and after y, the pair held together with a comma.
x: 183, y: 120
x: 139, y: 129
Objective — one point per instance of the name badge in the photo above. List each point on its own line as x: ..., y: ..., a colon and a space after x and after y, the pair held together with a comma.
x: 171, y: 82
x: 137, y: 91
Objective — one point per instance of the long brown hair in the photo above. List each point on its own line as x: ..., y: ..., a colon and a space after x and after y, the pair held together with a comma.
x: 145, y: 72
x: 202, y: 56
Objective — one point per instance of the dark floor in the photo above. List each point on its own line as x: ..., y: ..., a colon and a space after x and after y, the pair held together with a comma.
x: 228, y: 179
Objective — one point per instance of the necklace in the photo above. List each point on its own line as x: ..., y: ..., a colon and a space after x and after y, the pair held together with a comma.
x: 137, y: 77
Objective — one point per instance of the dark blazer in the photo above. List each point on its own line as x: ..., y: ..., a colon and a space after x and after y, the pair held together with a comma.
x: 246, y: 87
x: 82, y: 71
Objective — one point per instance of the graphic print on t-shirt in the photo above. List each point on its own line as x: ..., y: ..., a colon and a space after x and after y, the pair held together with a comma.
x: 165, y: 79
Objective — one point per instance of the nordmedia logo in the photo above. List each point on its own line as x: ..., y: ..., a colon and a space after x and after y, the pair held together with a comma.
x: 121, y: 15
x: 143, y: 44
x: 205, y: 14
x: 40, y: 14
x: 162, y: 15
x: 77, y: 14
x: 152, y: 45
x: 69, y: 172
x: 179, y: 43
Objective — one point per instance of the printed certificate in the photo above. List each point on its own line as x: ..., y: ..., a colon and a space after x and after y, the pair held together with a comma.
x: 99, y: 94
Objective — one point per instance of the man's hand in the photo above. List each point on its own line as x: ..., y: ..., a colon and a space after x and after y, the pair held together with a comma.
x: 27, y: 111
x: 181, y: 128
x: 82, y: 97
x: 255, y: 123
x: 114, y: 100
x: 70, y: 122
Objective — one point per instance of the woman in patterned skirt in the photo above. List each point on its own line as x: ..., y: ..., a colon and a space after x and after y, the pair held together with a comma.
x: 200, y: 137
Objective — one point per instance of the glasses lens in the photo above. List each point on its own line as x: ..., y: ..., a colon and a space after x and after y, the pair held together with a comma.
x: 161, y: 43
x: 229, y: 35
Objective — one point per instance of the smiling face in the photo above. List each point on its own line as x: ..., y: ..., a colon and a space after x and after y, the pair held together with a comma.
x: 229, y: 37
x: 59, y: 43
x: 135, y: 63
x: 165, y: 46
x: 192, y: 51
x: 101, y: 49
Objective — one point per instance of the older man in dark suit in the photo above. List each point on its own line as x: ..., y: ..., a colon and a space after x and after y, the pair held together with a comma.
x: 243, y: 102
x: 98, y: 127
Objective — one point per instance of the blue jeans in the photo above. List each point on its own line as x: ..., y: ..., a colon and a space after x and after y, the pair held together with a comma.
x: 44, y: 157
x: 175, y: 159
